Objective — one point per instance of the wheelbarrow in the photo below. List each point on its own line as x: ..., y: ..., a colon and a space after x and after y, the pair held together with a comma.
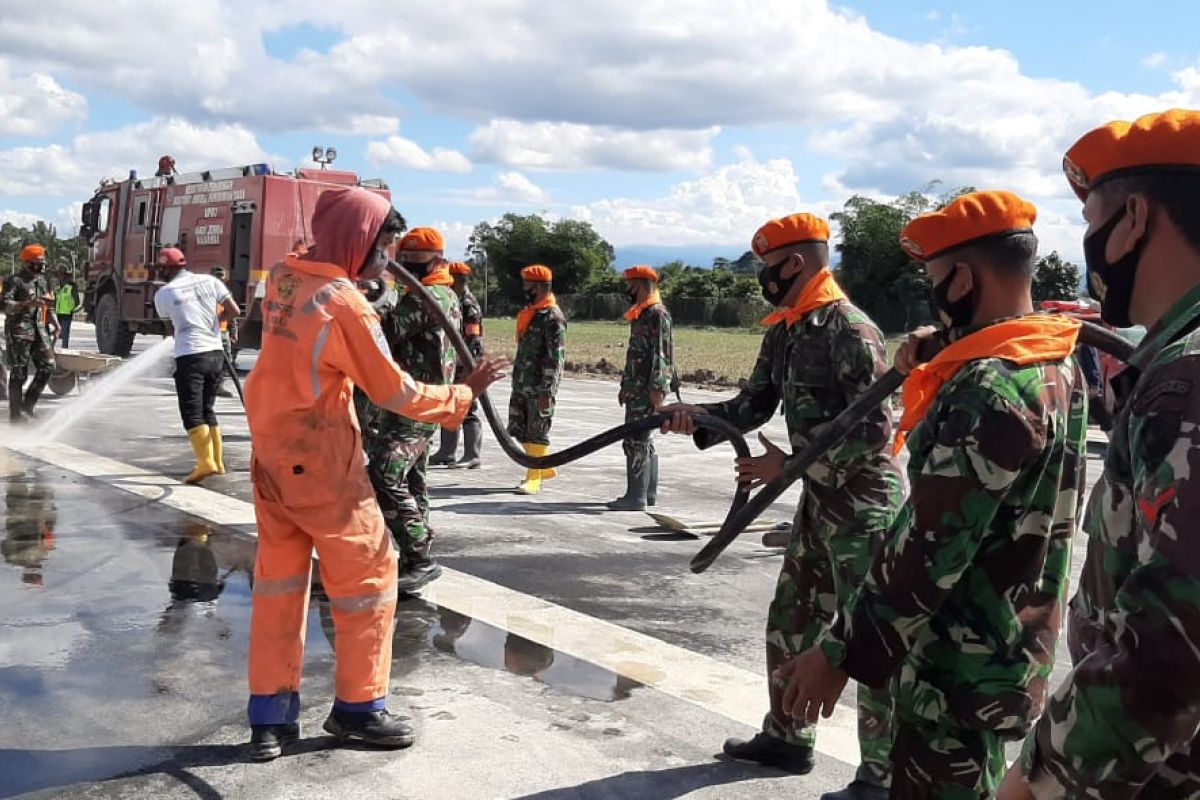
x: 71, y: 367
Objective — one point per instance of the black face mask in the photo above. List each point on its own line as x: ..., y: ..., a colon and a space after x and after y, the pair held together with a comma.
x: 954, y: 313
x: 531, y: 295
x: 418, y: 269
x: 1111, y: 284
x: 770, y: 276
x: 632, y: 295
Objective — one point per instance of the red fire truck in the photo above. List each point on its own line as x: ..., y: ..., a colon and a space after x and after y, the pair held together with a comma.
x: 244, y: 218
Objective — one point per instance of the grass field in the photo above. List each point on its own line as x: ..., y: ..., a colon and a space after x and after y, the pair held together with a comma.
x: 718, y: 356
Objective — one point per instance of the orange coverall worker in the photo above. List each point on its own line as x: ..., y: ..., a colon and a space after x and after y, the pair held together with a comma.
x: 320, y: 339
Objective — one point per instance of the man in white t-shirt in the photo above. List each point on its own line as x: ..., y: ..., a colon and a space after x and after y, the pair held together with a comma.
x: 193, y: 306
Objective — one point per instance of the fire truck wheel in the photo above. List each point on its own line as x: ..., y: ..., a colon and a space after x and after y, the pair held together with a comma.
x: 62, y: 382
x: 113, y: 337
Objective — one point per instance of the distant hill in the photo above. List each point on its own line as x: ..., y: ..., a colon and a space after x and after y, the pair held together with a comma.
x: 694, y: 255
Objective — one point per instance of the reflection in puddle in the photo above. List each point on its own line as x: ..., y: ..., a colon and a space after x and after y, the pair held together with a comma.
x: 420, y: 625
x: 30, y: 517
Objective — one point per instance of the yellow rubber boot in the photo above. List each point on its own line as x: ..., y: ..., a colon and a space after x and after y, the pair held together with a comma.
x: 542, y: 450
x: 533, y: 477
x: 218, y: 448
x: 201, y: 439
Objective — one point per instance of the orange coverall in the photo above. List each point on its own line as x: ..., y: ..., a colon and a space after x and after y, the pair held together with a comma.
x: 320, y: 339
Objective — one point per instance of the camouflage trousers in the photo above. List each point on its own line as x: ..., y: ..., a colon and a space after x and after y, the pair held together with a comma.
x: 398, y: 470
x: 826, y: 560
x: 639, y: 450
x: 939, y: 762
x: 22, y: 354
x: 526, y: 422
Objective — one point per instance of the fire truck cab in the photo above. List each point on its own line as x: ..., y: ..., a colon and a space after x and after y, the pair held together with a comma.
x: 245, y: 219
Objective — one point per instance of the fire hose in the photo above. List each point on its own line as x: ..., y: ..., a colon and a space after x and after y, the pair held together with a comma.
x: 744, y: 509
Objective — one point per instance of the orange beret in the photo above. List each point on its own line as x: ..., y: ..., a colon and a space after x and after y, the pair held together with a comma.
x: 640, y: 272
x: 460, y: 268
x: 423, y: 240
x: 536, y: 273
x: 786, y: 231
x: 1166, y: 141
x: 967, y: 219
x: 33, y: 252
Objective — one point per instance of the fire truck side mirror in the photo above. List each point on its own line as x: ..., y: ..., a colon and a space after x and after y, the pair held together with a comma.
x: 89, y: 222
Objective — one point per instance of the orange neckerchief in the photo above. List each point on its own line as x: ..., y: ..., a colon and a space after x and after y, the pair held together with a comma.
x: 439, y: 276
x: 525, y: 315
x: 820, y: 291
x: 1025, y: 340
x: 652, y: 299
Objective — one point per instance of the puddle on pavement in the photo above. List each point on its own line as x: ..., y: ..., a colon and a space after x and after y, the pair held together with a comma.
x: 421, y: 625
x: 204, y: 559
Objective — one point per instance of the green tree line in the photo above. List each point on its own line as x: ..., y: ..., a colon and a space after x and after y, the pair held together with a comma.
x: 69, y: 252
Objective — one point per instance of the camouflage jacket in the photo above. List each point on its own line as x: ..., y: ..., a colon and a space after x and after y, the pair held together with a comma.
x: 1127, y: 718
x: 29, y: 324
x: 420, y: 348
x: 541, y: 354
x: 816, y: 368
x: 962, y: 606
x: 650, y: 357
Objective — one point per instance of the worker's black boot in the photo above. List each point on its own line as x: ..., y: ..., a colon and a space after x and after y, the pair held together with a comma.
x: 472, y: 442
x: 652, y: 485
x: 378, y: 728
x: 267, y: 741
x: 636, y: 483
x: 772, y: 752
x: 444, y: 457
x: 858, y: 790
x: 416, y: 571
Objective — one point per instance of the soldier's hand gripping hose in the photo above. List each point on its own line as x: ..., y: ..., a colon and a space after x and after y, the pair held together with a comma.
x: 837, y: 429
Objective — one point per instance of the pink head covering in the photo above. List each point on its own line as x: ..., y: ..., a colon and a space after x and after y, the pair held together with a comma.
x: 345, y: 224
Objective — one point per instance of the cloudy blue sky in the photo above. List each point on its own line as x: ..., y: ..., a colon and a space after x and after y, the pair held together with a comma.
x: 663, y: 123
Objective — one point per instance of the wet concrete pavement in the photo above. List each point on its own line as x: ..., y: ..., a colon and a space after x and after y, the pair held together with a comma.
x: 123, y: 631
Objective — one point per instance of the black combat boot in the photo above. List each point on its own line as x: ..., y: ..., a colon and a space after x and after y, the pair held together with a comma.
x: 16, y: 403
x: 416, y: 571
x: 378, y: 728
x: 472, y: 441
x: 772, y: 752
x: 858, y: 790
x: 444, y: 457
x: 636, y: 484
x: 267, y: 741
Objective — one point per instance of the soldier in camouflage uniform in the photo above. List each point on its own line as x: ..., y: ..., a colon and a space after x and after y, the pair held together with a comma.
x: 472, y: 331
x: 961, y: 609
x: 29, y: 332
x: 649, y: 374
x: 819, y: 353
x: 537, y: 371
x: 398, y: 447
x: 1125, y: 721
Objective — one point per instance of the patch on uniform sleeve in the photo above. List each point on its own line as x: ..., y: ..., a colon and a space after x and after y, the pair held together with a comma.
x: 380, y: 340
x: 1178, y: 387
x: 1152, y: 508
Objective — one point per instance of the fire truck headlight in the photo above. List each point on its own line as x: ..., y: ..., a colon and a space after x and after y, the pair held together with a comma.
x: 318, y: 154
x: 330, y: 154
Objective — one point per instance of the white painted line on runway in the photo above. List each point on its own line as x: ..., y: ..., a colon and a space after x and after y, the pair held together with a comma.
x: 700, y: 680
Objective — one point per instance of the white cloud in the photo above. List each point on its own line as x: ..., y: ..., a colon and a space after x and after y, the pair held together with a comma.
x: 74, y: 170
x: 513, y: 187
x: 401, y: 152
x: 35, y: 104
x: 22, y: 219
x: 1155, y: 60
x: 569, y: 146
x: 726, y: 205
